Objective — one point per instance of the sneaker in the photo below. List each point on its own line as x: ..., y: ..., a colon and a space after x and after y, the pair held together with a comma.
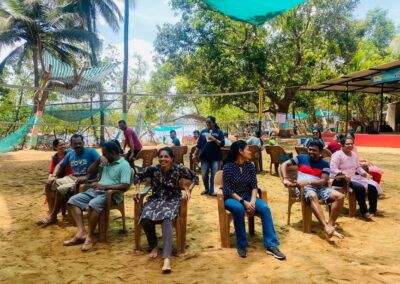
x: 276, y: 253
x: 204, y: 193
x: 242, y: 253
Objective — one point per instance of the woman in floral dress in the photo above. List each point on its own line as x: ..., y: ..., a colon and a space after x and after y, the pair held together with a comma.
x: 162, y: 206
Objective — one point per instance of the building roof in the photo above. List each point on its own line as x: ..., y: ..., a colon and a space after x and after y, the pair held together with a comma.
x: 361, y: 81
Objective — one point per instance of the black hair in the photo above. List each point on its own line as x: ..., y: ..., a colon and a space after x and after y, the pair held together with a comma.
x: 55, y: 143
x: 122, y: 121
x: 258, y: 134
x: 111, y: 147
x: 213, y: 120
x: 351, y: 135
x: 168, y: 150
x: 316, y: 143
x: 172, y: 131
x: 234, y: 151
x: 226, y: 134
x: 196, y: 131
x: 343, y: 140
x: 76, y: 135
x: 318, y: 131
x: 118, y: 144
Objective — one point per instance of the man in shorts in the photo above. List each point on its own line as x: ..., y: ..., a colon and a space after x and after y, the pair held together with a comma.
x: 115, y: 175
x: 313, y: 176
x: 79, y: 159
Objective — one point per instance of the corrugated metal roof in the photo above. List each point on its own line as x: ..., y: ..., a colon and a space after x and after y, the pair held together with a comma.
x: 360, y: 81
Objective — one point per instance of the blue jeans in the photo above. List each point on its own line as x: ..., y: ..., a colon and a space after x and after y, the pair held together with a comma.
x: 208, y: 179
x: 238, y: 211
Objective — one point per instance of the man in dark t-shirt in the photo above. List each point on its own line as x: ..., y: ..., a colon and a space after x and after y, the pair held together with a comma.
x: 313, y: 177
x: 175, y: 140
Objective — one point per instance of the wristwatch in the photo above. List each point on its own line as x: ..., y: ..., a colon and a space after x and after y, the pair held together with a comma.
x: 241, y: 201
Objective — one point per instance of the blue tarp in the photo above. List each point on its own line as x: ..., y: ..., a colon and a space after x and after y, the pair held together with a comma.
x: 166, y: 128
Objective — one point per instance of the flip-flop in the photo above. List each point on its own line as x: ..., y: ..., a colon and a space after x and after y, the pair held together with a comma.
x: 87, y: 246
x: 73, y: 242
x: 46, y: 222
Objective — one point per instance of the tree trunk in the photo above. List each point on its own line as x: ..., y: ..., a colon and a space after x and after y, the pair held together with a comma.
x: 36, y: 79
x: 94, y: 62
x: 126, y: 61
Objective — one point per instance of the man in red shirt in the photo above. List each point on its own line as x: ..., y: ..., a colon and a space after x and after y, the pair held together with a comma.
x: 131, y: 139
x: 335, y: 144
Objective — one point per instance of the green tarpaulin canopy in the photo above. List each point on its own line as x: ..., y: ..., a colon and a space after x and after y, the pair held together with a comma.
x: 168, y: 128
x: 255, y: 12
x: 74, y: 115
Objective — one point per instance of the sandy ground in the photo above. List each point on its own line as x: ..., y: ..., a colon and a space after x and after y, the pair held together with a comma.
x: 370, y: 253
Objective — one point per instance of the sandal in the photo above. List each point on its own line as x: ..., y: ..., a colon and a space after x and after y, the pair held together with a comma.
x: 87, y: 246
x: 46, y: 222
x: 73, y: 242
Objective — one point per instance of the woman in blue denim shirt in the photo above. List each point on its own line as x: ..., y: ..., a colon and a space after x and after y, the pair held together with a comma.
x: 209, y: 145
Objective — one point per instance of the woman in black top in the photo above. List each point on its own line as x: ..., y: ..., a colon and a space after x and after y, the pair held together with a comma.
x: 164, y: 203
x: 240, y: 193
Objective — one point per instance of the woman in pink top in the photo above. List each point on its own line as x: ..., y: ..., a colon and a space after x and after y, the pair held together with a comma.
x: 346, y: 161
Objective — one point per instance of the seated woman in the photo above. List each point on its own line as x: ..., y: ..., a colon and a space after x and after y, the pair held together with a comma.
x: 240, y: 193
x: 346, y: 161
x: 164, y: 203
x: 60, y: 148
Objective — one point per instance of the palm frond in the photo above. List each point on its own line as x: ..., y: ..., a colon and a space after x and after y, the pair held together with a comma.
x: 11, y: 57
x: 110, y: 13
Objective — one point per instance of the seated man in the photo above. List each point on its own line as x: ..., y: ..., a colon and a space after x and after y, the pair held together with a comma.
x: 256, y: 140
x: 79, y: 159
x: 313, y: 176
x: 115, y: 175
x: 228, y: 142
x: 175, y: 140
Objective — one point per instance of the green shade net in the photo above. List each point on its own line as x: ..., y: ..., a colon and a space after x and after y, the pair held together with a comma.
x: 255, y: 12
x: 9, y: 142
x: 74, y: 115
x: 90, y: 77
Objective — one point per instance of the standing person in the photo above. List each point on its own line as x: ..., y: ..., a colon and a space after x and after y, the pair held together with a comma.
x: 175, y: 140
x: 131, y: 140
x: 115, y: 175
x: 209, y: 146
x: 196, y: 135
x: 313, y: 175
x: 345, y: 161
x: 164, y: 203
x: 336, y: 144
x: 240, y: 194
x: 79, y: 159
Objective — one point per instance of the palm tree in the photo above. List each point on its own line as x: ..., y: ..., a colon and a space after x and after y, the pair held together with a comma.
x: 38, y: 26
x: 89, y: 11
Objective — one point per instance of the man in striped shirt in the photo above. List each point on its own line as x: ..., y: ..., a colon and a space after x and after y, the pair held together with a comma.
x: 313, y: 176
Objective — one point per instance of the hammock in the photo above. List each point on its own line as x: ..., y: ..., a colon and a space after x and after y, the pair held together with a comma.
x: 255, y: 12
x: 9, y: 142
x: 74, y: 115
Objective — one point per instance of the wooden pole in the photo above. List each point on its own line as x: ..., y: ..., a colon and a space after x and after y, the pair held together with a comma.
x: 381, y: 112
x: 347, y: 107
x: 260, y: 106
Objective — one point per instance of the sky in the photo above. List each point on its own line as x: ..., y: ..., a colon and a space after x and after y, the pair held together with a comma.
x: 147, y: 14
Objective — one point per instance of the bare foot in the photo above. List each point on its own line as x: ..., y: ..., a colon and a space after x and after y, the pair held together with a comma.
x: 167, y: 266
x: 338, y: 235
x: 153, y: 253
x: 88, y: 244
x: 74, y: 241
x: 329, y: 230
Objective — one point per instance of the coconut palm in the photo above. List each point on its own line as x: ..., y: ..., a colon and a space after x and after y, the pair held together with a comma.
x: 33, y: 27
x: 89, y: 11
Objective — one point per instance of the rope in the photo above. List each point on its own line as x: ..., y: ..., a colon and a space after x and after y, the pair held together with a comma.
x: 30, y: 88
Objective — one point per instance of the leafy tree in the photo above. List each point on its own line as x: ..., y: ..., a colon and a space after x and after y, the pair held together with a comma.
x: 217, y: 54
x: 39, y: 27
